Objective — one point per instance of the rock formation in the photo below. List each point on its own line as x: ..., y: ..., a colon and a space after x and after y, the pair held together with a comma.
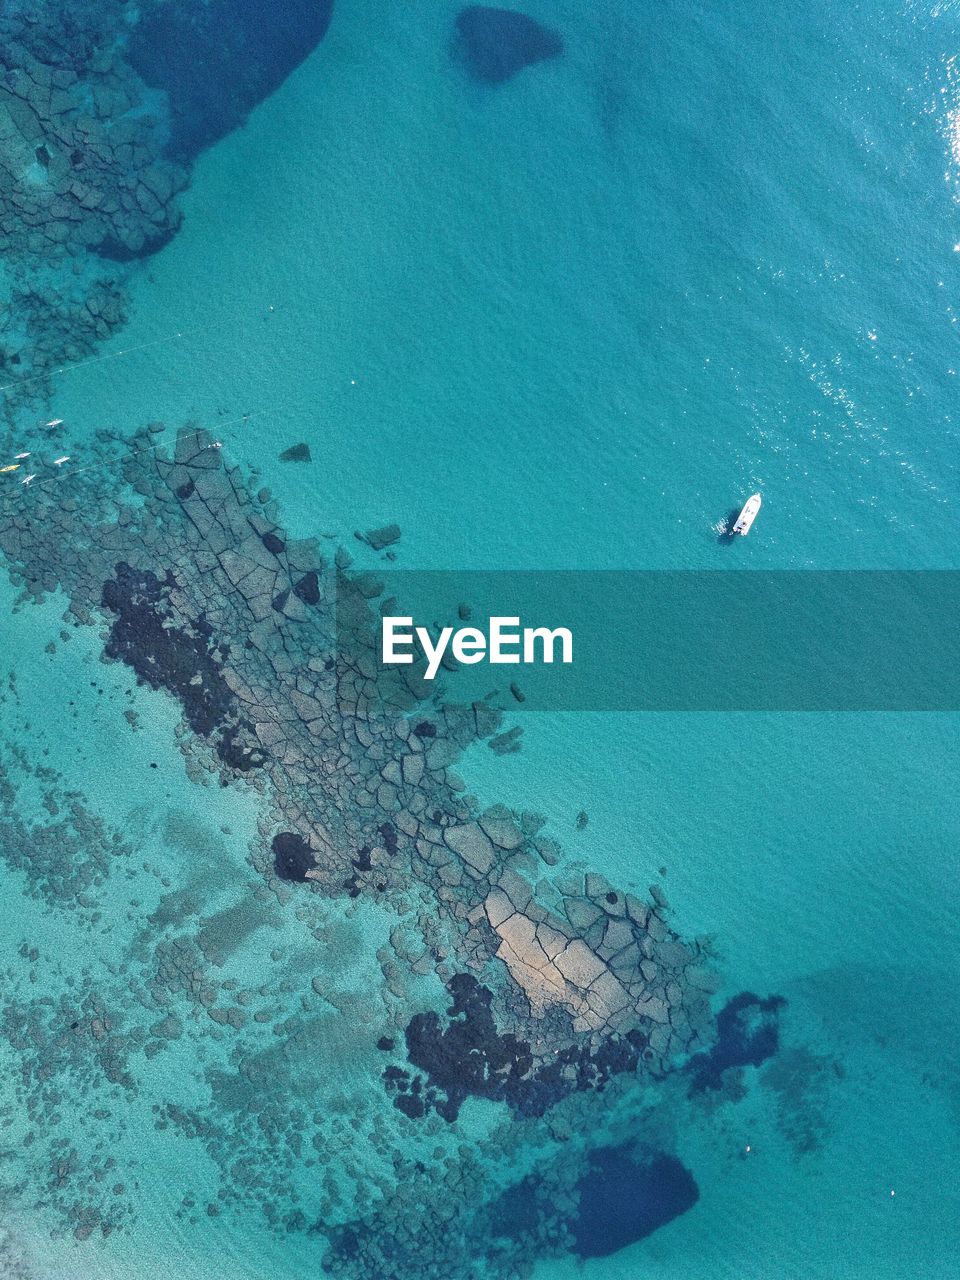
x: 562, y: 990
x: 495, y: 44
x: 93, y: 154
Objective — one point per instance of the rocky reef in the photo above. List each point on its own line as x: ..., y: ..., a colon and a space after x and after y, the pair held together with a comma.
x: 508, y: 978
x: 84, y: 161
x: 270, y: 649
x: 560, y: 985
x: 85, y: 178
x: 748, y: 1034
x: 102, y: 109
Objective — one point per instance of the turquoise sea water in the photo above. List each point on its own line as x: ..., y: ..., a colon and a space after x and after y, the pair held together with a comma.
x: 569, y: 323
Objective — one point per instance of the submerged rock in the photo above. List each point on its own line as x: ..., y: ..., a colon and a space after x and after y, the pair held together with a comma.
x: 292, y: 856
x: 380, y: 538
x: 623, y: 1200
x: 308, y: 588
x: 176, y: 654
x: 508, y: 743
x: 497, y: 43
x: 217, y: 60
x: 748, y: 1034
x: 145, y: 636
x: 517, y: 1212
x: 296, y: 453
x: 466, y: 1054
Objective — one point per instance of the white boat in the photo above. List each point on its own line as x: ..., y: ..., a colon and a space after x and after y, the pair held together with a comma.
x: 58, y: 462
x: 21, y: 455
x: 54, y: 422
x: 747, y: 516
x: 28, y: 479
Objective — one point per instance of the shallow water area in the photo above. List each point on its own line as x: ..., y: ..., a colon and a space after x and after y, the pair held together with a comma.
x: 182, y: 871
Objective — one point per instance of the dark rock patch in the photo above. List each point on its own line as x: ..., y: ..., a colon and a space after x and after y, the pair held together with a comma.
x: 117, y: 249
x: 508, y: 743
x: 165, y: 655
x: 347, y: 1241
x: 217, y: 60
x: 292, y: 856
x: 469, y: 1057
x: 495, y: 44
x: 296, y: 453
x: 276, y: 546
x: 179, y: 655
x: 747, y: 1035
x: 623, y: 1200
x: 236, y: 753
x: 380, y: 538
x: 362, y: 861
x: 308, y: 588
x: 516, y: 1213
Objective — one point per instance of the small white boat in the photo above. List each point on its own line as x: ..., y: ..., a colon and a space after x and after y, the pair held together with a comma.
x: 747, y: 516
x: 21, y: 456
x: 54, y: 422
x: 27, y: 479
x: 58, y: 462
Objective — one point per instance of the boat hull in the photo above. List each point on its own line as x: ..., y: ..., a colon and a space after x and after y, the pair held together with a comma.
x: 747, y: 516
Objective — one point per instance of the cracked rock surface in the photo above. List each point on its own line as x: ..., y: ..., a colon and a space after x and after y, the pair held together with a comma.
x: 196, y: 588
